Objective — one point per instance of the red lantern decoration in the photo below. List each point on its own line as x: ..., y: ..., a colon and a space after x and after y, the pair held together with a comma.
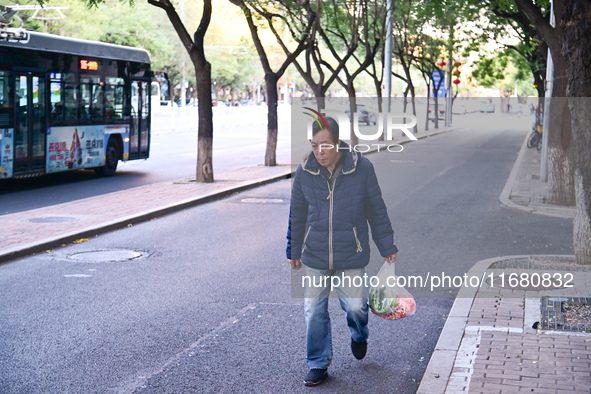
x: 457, y: 63
x: 456, y: 81
x: 457, y: 72
x: 442, y: 63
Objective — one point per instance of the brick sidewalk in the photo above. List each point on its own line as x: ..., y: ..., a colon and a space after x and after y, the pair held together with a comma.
x: 489, y: 343
x: 526, y: 192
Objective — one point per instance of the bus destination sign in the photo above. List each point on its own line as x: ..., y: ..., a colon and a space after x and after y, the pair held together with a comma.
x: 88, y: 65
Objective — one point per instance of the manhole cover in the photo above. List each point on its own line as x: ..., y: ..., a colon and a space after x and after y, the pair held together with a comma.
x: 100, y: 256
x: 258, y: 200
x: 53, y: 219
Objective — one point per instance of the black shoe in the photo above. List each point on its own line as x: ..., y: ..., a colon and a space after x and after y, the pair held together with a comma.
x: 315, y: 377
x: 359, y: 349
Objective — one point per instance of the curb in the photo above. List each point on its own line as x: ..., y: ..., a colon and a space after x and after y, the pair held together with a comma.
x: 49, y: 243
x: 437, y: 376
x: 505, y: 200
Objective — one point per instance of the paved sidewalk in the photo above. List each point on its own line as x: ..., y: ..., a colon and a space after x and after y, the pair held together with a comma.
x: 40, y: 229
x: 525, y: 191
x: 507, y: 339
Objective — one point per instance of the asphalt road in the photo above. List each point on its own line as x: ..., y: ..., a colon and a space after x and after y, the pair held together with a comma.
x: 207, y: 308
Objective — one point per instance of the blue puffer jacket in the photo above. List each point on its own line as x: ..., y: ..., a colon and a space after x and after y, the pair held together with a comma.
x: 329, y: 229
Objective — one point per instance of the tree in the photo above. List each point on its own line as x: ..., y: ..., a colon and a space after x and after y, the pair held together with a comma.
x: 504, y: 70
x: 561, y: 156
x: 425, y: 59
x: 406, y: 40
x: 195, y: 49
x: 282, y: 13
x: 376, y: 32
x: 570, y: 47
x: 338, y: 21
x: 532, y: 48
x: 576, y: 33
x: 315, y: 74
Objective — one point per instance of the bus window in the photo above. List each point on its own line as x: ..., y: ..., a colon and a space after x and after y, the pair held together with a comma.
x: 6, y: 108
x: 89, y: 85
x: 114, y: 98
x: 56, y: 98
x: 97, y: 112
x: 70, y: 98
x: 21, y: 140
x: 91, y: 93
x: 39, y: 121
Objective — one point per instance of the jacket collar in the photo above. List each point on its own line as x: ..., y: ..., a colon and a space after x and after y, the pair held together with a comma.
x: 352, y: 157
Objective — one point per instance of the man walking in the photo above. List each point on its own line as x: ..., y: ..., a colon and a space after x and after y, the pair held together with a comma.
x: 335, y: 195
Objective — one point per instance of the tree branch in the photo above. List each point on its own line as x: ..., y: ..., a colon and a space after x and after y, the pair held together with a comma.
x: 176, y: 21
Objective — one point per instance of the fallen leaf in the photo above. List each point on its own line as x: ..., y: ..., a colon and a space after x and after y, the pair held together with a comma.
x: 81, y: 240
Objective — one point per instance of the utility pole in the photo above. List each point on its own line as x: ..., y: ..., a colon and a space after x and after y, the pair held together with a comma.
x: 388, y: 60
x: 547, y: 104
x: 448, y: 89
x: 183, y: 90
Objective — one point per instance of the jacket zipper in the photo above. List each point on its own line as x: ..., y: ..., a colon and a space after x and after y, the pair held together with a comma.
x: 330, y: 257
x: 306, y: 237
x: 359, y: 248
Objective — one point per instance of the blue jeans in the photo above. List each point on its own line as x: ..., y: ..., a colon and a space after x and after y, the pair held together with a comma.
x: 353, y: 301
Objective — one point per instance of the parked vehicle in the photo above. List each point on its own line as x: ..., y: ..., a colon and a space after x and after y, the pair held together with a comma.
x: 486, y: 105
x: 189, y: 102
x: 365, y: 115
x: 440, y: 112
x: 535, y: 138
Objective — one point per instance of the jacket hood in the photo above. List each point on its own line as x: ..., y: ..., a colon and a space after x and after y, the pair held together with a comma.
x: 352, y: 157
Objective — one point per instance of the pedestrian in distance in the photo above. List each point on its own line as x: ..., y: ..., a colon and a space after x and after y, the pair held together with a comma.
x: 335, y: 199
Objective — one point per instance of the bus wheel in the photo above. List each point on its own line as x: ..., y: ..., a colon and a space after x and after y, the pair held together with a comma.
x: 111, y: 159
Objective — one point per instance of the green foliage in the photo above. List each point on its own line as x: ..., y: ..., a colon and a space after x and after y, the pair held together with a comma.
x: 235, y: 69
x: 505, y: 70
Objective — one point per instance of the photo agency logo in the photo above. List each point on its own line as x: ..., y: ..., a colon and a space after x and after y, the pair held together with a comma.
x: 392, y: 122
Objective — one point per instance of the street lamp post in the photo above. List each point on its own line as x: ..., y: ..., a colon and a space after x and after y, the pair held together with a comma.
x: 388, y: 59
x: 183, y: 82
x: 448, y: 88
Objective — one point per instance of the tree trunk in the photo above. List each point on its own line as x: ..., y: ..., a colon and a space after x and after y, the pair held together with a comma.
x: 272, y: 97
x: 561, y: 154
x: 381, y: 110
x: 410, y: 87
x: 320, y: 102
x: 428, y: 100
x: 436, y: 111
x: 205, y: 128
x: 561, y: 164
x: 353, y: 108
x: 413, y: 99
x: 577, y: 51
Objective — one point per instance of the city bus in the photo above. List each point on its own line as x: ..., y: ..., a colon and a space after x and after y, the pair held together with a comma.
x: 68, y: 104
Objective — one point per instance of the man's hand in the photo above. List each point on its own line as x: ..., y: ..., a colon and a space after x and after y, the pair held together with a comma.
x: 391, y: 258
x: 295, y: 264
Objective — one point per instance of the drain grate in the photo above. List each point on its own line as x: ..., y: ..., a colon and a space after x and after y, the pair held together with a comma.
x: 53, y: 219
x: 566, y: 314
x: 105, y: 256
